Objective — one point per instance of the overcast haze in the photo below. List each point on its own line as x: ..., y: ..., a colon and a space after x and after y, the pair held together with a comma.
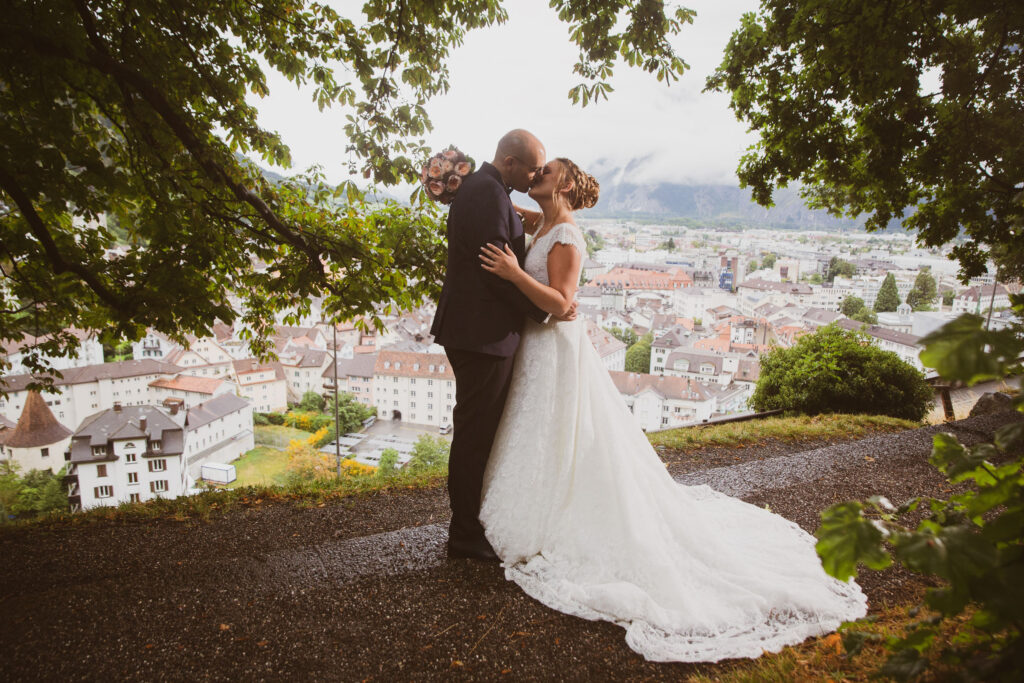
x: 519, y: 75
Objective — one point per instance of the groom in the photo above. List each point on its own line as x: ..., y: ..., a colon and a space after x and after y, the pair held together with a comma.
x: 478, y: 320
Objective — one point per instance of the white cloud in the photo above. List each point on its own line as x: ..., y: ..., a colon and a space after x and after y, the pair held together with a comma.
x: 519, y: 75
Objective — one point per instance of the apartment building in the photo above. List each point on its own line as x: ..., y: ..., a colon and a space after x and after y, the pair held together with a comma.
x: 415, y: 387
x: 87, y: 390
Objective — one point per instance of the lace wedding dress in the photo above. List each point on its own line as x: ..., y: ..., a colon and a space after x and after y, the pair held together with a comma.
x: 586, y: 519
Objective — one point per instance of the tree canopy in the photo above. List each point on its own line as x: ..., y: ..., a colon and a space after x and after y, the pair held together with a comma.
x: 837, y: 266
x: 901, y: 111
x: 638, y: 356
x: 923, y: 293
x: 130, y: 119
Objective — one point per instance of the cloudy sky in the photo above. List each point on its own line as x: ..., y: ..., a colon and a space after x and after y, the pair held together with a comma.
x: 519, y: 75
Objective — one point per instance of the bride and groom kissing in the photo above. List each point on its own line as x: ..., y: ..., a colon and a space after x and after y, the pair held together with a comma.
x: 551, y: 475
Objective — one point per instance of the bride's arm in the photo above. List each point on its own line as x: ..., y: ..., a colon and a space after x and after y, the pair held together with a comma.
x: 563, y: 268
x: 531, y: 219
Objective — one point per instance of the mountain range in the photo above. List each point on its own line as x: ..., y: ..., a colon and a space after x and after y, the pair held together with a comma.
x: 706, y: 204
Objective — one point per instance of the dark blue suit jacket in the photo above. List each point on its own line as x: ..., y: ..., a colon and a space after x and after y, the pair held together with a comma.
x: 478, y: 311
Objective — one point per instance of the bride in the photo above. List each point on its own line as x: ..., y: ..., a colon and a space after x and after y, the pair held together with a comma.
x: 586, y: 519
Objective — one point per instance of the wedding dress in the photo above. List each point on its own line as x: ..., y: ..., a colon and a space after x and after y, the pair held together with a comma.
x: 587, y: 520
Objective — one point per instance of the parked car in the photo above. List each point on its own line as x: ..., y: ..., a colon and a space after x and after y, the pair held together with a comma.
x: 445, y: 429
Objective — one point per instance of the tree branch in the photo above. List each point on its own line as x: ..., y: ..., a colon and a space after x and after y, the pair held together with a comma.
x: 102, y: 60
x: 57, y: 261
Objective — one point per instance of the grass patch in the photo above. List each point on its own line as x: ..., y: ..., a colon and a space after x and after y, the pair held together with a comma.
x: 825, y: 658
x: 261, y: 471
x: 202, y: 506
x: 796, y: 428
x: 278, y: 435
x: 261, y: 466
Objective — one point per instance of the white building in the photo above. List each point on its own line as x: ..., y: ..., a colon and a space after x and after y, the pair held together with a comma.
x: 84, y: 391
x: 355, y: 376
x: 263, y: 384
x: 660, y: 402
x: 303, y: 371
x: 90, y: 352
x: 37, y: 441
x: 219, y: 430
x: 416, y: 387
x: 127, y: 454
x: 138, y: 453
x: 611, y: 350
x: 977, y: 299
x: 904, y: 345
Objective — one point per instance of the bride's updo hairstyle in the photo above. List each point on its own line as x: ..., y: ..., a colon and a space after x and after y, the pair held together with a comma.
x: 585, y: 188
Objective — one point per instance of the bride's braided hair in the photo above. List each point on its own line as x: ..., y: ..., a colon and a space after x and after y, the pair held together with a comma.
x: 585, y: 189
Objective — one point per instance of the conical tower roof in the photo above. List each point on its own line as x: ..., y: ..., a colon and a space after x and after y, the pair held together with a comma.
x: 37, y: 426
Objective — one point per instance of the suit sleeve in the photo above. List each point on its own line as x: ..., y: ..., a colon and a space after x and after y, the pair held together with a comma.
x: 494, y: 228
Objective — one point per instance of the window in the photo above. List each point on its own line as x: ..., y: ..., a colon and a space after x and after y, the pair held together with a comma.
x: 133, y: 497
x: 133, y: 477
x: 159, y: 465
x: 430, y: 394
x: 45, y: 452
x: 103, y: 491
x: 99, y: 450
x: 430, y: 382
x: 129, y: 457
x: 101, y: 470
x: 154, y: 446
x: 130, y: 446
x: 158, y: 486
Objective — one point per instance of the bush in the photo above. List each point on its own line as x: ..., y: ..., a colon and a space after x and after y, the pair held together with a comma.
x: 36, y: 493
x: 260, y: 419
x: 275, y: 418
x: 388, y: 463
x: 429, y: 452
x: 312, y: 402
x: 835, y: 371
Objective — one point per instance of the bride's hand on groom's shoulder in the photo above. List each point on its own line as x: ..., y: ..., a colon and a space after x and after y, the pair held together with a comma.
x: 500, y: 260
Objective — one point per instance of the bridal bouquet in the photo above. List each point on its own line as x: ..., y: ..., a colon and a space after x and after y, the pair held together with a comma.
x: 443, y: 173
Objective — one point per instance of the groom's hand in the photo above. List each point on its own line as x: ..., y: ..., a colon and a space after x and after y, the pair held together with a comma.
x: 569, y: 316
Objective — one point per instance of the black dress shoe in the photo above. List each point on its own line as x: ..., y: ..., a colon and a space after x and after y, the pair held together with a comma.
x: 477, y: 549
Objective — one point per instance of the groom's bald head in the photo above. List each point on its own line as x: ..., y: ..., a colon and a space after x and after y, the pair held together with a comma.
x: 519, y: 158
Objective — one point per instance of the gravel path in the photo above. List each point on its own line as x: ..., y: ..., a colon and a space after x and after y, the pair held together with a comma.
x: 361, y: 590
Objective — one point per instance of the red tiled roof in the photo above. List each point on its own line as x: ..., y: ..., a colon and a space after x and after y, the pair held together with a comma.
x: 198, y: 385
x: 411, y: 364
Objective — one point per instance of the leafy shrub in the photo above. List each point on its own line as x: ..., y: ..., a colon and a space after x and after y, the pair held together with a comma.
x: 835, y: 371
x: 973, y: 542
x: 429, y: 452
x: 37, y: 492
x: 275, y: 418
x: 312, y: 402
x: 388, y: 463
x: 260, y: 419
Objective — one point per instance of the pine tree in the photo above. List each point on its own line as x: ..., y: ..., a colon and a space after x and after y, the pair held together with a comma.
x: 888, y: 296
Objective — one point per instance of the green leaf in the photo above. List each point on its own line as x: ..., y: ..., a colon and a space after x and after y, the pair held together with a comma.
x: 905, y: 665
x: 962, y: 350
x: 1009, y: 436
x: 846, y: 538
